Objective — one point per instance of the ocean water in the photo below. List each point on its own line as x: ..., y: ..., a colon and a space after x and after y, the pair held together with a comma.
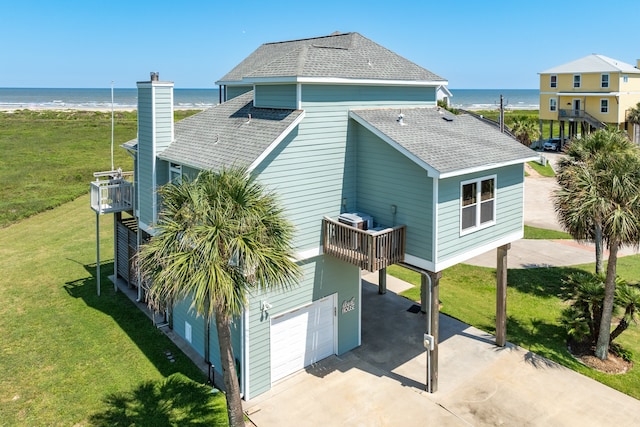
x: 19, y: 98
x: 489, y: 99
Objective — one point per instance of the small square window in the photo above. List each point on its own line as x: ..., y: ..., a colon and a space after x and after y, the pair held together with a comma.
x: 477, y: 204
x: 576, y: 81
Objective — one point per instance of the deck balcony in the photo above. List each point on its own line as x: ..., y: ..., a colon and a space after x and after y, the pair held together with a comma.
x: 580, y: 115
x: 370, y: 250
x: 112, y: 192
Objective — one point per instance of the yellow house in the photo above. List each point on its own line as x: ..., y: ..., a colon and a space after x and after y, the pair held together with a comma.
x: 587, y: 94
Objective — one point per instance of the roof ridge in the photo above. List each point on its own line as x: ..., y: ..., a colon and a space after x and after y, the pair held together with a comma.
x: 335, y: 34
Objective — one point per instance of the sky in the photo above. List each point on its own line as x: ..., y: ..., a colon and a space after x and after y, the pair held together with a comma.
x: 473, y: 44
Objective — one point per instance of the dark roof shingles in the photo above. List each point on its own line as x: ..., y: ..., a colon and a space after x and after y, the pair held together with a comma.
x: 458, y: 143
x: 348, y: 56
x: 224, y: 135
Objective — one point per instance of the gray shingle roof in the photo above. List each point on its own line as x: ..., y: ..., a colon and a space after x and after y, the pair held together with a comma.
x: 448, y: 144
x: 343, y: 56
x: 224, y: 135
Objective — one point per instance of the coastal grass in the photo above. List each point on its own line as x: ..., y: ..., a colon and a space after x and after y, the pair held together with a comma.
x: 70, y: 357
x: 545, y: 171
x: 534, y: 301
x: 544, y: 234
x: 48, y: 157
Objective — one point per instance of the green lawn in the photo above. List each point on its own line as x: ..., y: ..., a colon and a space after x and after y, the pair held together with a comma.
x: 70, y: 357
x: 67, y: 356
x: 533, y: 308
x: 544, y: 234
x: 48, y: 157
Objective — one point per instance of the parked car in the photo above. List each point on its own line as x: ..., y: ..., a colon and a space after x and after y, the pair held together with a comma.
x: 552, y: 144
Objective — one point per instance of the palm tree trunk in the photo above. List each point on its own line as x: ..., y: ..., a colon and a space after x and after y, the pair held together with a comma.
x: 622, y: 326
x: 234, y: 401
x: 602, y: 346
x: 599, y: 251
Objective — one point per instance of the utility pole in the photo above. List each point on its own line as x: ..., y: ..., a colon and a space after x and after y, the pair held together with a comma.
x: 501, y: 114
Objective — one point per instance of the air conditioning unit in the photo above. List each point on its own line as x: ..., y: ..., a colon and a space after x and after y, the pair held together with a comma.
x: 357, y: 220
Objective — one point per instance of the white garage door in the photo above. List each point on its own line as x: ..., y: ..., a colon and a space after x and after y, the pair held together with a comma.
x: 302, y: 337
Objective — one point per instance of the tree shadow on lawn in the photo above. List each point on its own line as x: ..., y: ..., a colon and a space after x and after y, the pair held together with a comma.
x: 545, y: 341
x: 175, y: 401
x: 542, y: 282
x: 155, y: 345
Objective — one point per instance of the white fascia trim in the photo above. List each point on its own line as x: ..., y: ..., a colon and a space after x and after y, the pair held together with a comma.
x: 574, y: 94
x: 276, y: 142
x: 430, y: 170
x: 299, y: 96
x: 488, y: 167
x: 478, y: 251
x: 443, y: 87
x: 337, y: 80
x: 152, y: 84
x: 309, y: 253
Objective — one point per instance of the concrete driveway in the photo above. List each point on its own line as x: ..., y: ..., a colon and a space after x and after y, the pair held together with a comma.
x: 382, y: 382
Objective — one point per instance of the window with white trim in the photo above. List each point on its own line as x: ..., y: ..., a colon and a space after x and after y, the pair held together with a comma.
x: 576, y: 80
x: 625, y: 79
x: 604, y: 105
x: 553, y: 80
x: 175, y: 173
x: 604, y: 80
x: 553, y: 104
x: 478, y: 204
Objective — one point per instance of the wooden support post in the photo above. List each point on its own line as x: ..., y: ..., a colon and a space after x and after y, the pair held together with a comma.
x: 501, y: 295
x: 382, y: 281
x: 424, y: 293
x: 433, y: 327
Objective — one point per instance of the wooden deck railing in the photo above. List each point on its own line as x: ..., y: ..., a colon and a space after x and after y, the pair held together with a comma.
x: 370, y: 250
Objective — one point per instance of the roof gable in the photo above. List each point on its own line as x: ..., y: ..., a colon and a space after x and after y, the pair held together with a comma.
x: 593, y: 64
x: 443, y: 144
x: 338, y: 56
x: 232, y: 133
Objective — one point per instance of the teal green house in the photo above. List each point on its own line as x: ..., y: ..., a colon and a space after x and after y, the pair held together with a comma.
x: 368, y: 168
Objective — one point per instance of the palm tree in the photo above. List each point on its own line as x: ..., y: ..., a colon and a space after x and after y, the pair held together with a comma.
x: 525, y: 130
x: 599, y: 198
x: 627, y: 297
x: 578, y: 177
x: 219, y: 237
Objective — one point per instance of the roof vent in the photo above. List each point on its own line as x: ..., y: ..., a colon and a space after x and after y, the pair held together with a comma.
x: 448, y: 118
x: 155, y: 76
x: 400, y: 119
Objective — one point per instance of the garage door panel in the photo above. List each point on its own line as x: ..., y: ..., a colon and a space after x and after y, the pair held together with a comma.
x: 302, y: 337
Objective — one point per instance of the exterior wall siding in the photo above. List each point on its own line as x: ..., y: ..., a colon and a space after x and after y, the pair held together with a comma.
x: 155, y: 127
x: 146, y: 155
x: 323, y: 276
x: 275, y: 96
x: 509, y: 211
x: 314, y: 169
x: 233, y: 91
x: 385, y: 177
x: 181, y: 314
